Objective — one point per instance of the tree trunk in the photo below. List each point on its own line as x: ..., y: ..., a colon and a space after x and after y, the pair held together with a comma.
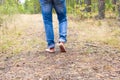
x: 79, y: 2
x: 1, y: 1
x: 101, y: 8
x: 114, y: 3
x: 88, y: 3
x: 119, y: 9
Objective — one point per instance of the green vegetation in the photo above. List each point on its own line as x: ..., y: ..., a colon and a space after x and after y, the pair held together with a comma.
x: 13, y: 6
x: 33, y: 6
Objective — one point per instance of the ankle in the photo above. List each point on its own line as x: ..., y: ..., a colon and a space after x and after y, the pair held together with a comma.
x: 52, y: 48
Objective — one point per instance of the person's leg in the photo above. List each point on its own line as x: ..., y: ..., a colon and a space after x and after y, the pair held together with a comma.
x: 46, y: 7
x: 60, y: 8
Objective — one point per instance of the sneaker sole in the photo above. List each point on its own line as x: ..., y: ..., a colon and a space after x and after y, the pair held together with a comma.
x: 47, y: 50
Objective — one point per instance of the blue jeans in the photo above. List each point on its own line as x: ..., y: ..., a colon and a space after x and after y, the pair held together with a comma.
x: 60, y: 8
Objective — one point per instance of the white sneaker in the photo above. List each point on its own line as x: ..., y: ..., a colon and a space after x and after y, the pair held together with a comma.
x: 50, y: 50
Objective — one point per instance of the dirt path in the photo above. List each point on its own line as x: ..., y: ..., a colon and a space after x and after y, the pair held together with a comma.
x: 89, y: 53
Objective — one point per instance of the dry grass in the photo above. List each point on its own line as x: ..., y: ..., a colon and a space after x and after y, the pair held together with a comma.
x: 26, y: 33
x: 105, y: 31
x: 91, y: 50
x: 21, y: 34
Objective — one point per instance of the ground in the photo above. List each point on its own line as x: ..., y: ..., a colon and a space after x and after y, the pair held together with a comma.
x: 93, y: 50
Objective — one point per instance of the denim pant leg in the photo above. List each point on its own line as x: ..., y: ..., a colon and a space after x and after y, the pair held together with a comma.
x: 46, y: 7
x: 60, y: 8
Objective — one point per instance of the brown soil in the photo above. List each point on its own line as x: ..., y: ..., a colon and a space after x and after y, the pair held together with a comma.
x: 85, y: 59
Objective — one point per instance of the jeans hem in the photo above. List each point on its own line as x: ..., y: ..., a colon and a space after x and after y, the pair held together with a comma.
x: 51, y: 46
x: 62, y: 40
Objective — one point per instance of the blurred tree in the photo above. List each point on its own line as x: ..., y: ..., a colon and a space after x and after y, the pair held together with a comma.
x: 9, y: 7
x: 79, y: 2
x: 114, y: 3
x: 101, y: 9
x: 88, y: 5
x: 1, y: 21
x: 1, y: 2
x: 32, y: 6
x: 118, y: 7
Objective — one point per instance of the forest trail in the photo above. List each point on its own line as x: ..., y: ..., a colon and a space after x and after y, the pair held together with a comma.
x: 93, y: 50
